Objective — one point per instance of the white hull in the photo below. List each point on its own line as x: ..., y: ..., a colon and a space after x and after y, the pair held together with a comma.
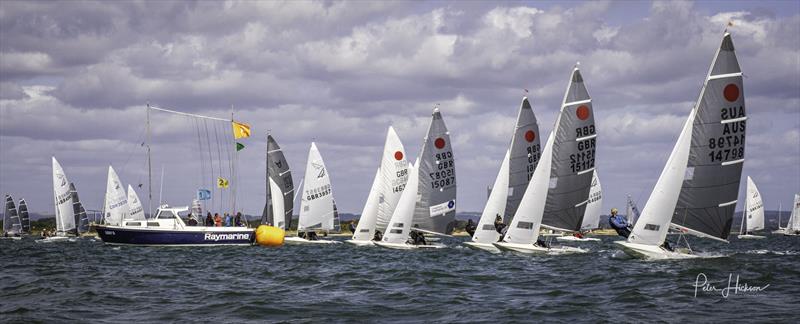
x: 750, y: 237
x: 406, y: 246
x: 575, y: 239
x: 791, y: 234
x: 652, y: 252
x: 360, y: 243
x: 298, y: 240
x: 534, y: 249
x: 482, y: 247
x: 10, y: 237
x: 54, y: 239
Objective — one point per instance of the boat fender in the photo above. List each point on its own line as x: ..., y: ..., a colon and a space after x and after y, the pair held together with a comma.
x: 269, y: 236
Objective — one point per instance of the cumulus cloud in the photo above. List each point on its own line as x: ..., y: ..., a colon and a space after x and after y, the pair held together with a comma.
x: 74, y: 81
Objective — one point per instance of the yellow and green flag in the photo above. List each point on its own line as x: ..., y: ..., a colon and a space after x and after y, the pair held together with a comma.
x: 222, y: 182
x: 240, y: 130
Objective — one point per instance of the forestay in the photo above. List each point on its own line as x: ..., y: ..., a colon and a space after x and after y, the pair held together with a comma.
x: 316, y: 203
x: 436, y: 207
x: 573, y: 159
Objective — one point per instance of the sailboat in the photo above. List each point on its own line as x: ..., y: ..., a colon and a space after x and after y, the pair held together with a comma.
x: 387, y: 186
x: 65, y: 212
x: 753, y: 213
x: 697, y: 190
x: 793, y: 226
x: 81, y: 220
x: 515, y: 173
x: 430, y: 193
x: 317, y: 208
x: 12, y: 227
x: 125, y: 224
x: 591, y: 217
x: 280, y: 188
x: 24, y: 218
x: 558, y: 192
x: 631, y: 211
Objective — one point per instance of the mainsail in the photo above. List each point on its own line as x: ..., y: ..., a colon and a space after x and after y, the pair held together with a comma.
x: 435, y: 209
x: 794, y: 219
x: 280, y: 188
x: 81, y: 220
x: 316, y: 202
x: 62, y: 196
x: 698, y: 187
x: 710, y: 185
x: 400, y: 224
x: 591, y: 218
x: 495, y: 206
x: 573, y: 159
x: 116, y: 202
x: 366, y: 223
x: 11, y: 220
x: 24, y: 218
x: 526, y: 150
x: 753, y: 216
x: 136, y: 211
x: 631, y: 211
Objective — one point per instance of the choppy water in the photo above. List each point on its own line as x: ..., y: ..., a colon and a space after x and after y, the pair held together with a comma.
x: 89, y: 281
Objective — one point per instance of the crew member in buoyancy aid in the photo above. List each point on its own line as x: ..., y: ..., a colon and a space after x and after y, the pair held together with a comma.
x: 378, y: 236
x: 418, y: 238
x: 619, y: 224
x: 470, y: 227
x: 499, y: 226
x: 311, y: 236
x: 667, y: 246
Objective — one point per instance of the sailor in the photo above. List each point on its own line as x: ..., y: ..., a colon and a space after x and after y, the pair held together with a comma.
x: 311, y: 236
x: 378, y: 236
x: 209, y: 220
x: 470, y: 227
x: 619, y: 223
x: 238, y: 219
x: 499, y: 226
x: 192, y: 220
x: 352, y: 227
x: 542, y: 243
x: 228, y: 220
x: 578, y: 235
x: 667, y: 246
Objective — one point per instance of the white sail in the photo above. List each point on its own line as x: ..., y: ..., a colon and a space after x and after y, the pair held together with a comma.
x: 524, y: 227
x: 697, y: 189
x: 62, y: 195
x: 116, y: 202
x: 365, y: 229
x: 277, y: 203
x: 393, y: 178
x: 436, y: 207
x: 754, y: 214
x: 794, y: 219
x: 591, y: 218
x: 136, y: 211
x: 316, y: 204
x: 495, y: 206
x: 400, y: 224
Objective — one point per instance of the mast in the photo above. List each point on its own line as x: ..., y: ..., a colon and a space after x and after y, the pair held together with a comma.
x: 779, y: 215
x: 149, y: 167
x: 269, y: 194
x: 744, y: 215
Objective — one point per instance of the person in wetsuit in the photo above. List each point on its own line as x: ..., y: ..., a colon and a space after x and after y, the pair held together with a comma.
x: 311, y: 236
x: 619, y: 224
x: 499, y: 226
x: 378, y: 236
x: 470, y: 227
x: 542, y: 243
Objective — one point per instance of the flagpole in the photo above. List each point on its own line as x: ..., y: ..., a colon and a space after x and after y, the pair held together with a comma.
x: 149, y: 167
x: 234, y: 175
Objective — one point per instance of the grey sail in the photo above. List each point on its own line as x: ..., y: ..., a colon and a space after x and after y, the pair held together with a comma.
x: 24, y: 218
x: 435, y: 209
x: 710, y: 186
x: 11, y: 221
x: 525, y: 153
x: 278, y: 171
x: 81, y: 220
x: 573, y: 159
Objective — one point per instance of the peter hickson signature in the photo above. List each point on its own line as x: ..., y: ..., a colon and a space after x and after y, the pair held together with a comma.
x: 701, y: 283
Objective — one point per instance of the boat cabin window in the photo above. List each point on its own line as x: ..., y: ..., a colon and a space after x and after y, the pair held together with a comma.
x: 133, y: 223
x: 152, y: 224
x: 166, y: 214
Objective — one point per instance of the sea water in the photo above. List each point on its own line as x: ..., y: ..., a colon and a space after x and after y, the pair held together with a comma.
x: 87, y: 280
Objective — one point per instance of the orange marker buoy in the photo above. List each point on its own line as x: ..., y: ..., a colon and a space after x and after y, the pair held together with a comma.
x: 269, y: 236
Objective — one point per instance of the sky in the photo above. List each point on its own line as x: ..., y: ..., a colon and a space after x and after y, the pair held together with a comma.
x: 75, y: 79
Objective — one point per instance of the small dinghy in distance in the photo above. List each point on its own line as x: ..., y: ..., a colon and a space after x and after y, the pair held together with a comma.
x: 64, y: 206
x: 516, y: 170
x: 793, y: 226
x: 387, y: 186
x: 561, y: 183
x: 12, y: 224
x: 698, y: 188
x: 317, y: 207
x: 753, y: 213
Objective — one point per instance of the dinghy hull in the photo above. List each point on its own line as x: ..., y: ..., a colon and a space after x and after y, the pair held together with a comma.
x: 360, y: 243
x: 575, y: 239
x: 521, y: 248
x: 196, y: 236
x: 405, y: 246
x: 301, y: 241
x: 652, y: 252
x: 482, y: 247
x: 751, y: 237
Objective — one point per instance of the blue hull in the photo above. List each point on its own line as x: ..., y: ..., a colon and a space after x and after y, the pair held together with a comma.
x: 142, y: 236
